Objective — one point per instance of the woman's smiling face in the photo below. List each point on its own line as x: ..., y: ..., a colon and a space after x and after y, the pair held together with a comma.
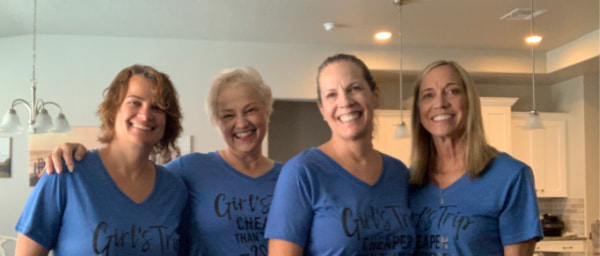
x: 347, y: 102
x: 242, y: 117
x: 443, y: 103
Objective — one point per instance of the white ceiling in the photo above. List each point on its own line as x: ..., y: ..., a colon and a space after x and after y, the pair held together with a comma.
x: 471, y: 24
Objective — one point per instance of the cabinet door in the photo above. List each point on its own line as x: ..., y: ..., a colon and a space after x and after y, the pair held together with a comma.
x: 386, y: 122
x: 544, y: 150
x: 496, y: 116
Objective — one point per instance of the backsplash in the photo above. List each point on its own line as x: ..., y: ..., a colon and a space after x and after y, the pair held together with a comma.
x: 570, y: 210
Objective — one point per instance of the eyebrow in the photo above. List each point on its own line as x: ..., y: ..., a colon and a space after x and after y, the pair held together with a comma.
x: 134, y: 96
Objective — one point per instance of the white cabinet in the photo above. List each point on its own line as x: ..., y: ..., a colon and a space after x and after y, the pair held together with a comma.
x: 386, y: 122
x: 544, y: 150
x: 496, y: 116
x: 560, y: 246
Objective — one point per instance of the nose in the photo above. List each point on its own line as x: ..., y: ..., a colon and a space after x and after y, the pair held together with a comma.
x: 144, y: 112
x: 442, y: 101
x: 346, y: 99
x: 241, y: 121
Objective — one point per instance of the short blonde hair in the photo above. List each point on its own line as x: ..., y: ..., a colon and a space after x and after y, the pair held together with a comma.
x: 478, y: 153
x: 243, y: 76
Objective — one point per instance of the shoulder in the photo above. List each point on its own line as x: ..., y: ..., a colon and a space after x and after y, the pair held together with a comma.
x: 196, y: 157
x: 190, y: 161
x: 305, y: 156
x: 308, y: 160
x: 392, y: 162
x: 277, y: 167
x: 505, y: 165
x: 168, y: 176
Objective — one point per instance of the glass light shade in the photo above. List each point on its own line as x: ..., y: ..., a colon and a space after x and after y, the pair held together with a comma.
x: 534, y: 121
x: 401, y: 131
x: 10, y: 122
x: 61, y: 124
x: 43, y: 121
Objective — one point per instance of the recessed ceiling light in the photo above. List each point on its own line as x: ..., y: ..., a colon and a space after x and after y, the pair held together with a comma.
x: 384, y: 35
x: 533, y: 39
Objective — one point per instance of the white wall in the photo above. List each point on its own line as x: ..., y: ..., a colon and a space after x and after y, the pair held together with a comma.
x: 73, y: 71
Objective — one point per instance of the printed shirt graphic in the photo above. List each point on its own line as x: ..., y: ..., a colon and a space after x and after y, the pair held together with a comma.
x: 228, y: 210
x: 320, y: 206
x: 477, y: 216
x: 85, y: 213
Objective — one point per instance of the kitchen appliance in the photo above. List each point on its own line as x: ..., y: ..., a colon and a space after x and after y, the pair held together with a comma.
x: 552, y: 225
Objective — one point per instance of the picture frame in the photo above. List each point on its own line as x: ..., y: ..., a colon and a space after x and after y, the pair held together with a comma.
x: 5, y: 157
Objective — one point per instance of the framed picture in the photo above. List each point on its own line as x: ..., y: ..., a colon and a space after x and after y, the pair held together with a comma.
x: 5, y: 156
x: 40, y: 145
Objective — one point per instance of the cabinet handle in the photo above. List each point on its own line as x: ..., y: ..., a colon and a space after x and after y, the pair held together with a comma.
x: 567, y: 247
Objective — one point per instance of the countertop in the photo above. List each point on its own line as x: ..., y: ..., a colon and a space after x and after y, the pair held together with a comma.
x: 562, y: 238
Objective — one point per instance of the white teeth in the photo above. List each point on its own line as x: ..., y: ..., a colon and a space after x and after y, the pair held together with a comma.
x: 243, y: 134
x: 442, y: 117
x: 350, y: 117
x: 146, y: 128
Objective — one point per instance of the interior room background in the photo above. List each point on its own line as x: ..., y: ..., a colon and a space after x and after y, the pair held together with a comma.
x: 74, y: 70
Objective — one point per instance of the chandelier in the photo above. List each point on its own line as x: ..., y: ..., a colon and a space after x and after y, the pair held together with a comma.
x: 39, y: 119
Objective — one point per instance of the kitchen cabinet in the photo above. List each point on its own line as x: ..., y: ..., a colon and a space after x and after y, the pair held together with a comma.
x: 544, y: 150
x: 560, y: 246
x: 386, y: 122
x: 495, y: 113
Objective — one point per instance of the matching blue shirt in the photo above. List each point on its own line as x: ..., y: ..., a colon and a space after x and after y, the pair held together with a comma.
x: 477, y: 216
x: 85, y: 213
x: 317, y: 204
x: 227, y: 209
x: 323, y: 208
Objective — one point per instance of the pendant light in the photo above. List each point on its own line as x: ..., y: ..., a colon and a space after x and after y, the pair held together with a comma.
x: 534, y: 121
x: 401, y: 129
x: 39, y: 119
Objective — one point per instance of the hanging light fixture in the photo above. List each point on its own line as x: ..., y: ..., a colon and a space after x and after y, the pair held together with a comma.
x: 39, y: 119
x: 401, y: 129
x: 534, y: 121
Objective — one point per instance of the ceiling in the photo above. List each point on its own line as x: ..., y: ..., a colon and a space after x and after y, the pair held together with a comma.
x: 470, y: 24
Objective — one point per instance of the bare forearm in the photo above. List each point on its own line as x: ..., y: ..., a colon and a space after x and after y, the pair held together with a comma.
x: 525, y: 248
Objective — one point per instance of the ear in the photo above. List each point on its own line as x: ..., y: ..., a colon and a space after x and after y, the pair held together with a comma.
x: 376, y: 95
x: 320, y: 106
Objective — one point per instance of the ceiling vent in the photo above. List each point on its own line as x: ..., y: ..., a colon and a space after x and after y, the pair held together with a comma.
x: 521, y: 14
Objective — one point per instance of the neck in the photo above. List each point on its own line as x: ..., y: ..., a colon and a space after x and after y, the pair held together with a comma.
x: 252, y: 163
x: 353, y: 149
x: 128, y: 161
x: 450, y: 155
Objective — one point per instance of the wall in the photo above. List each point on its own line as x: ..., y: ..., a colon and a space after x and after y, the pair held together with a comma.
x: 592, y: 151
x: 299, y: 125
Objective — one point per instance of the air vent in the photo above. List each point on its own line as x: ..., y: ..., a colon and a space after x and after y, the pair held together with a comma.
x: 521, y: 14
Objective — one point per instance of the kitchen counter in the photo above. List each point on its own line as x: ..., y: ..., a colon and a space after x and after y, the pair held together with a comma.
x: 561, y: 244
x: 562, y: 238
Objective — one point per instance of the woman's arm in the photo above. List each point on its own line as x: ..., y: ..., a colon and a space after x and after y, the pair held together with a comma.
x: 281, y: 247
x: 525, y: 248
x: 27, y: 247
x: 67, y: 152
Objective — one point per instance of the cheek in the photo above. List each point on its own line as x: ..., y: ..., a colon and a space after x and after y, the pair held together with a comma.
x: 222, y: 127
x: 422, y: 111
